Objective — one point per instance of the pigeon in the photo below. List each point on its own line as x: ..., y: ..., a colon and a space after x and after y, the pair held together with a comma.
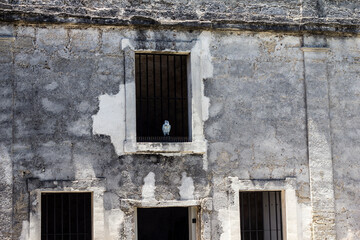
x: 166, y: 127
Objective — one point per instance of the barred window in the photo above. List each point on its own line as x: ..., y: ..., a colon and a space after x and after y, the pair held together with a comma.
x: 66, y: 216
x: 161, y: 95
x: 261, y: 215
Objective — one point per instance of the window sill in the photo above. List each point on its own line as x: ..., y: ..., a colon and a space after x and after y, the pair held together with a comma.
x: 165, y: 148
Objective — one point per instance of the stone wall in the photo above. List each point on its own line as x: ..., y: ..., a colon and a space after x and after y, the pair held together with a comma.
x: 260, y: 102
x: 284, y: 15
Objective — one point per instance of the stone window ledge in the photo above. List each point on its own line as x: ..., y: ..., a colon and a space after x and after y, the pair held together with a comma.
x: 165, y: 148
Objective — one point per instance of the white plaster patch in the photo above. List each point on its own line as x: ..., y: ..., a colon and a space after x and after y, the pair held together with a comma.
x: 187, y: 188
x: 225, y: 224
x: 207, y: 69
x: 115, y: 220
x: 25, y: 231
x: 110, y: 118
x: 126, y: 43
x: 5, y: 165
x: 148, y: 189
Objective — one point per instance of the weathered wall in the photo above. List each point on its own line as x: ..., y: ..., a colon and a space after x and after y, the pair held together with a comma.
x: 257, y: 126
x: 343, y: 70
x: 294, y: 15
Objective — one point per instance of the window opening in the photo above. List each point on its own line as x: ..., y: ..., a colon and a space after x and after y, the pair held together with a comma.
x: 170, y: 223
x: 66, y: 216
x: 261, y: 215
x: 161, y: 94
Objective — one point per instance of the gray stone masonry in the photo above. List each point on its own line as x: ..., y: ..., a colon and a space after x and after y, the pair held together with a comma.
x: 278, y: 112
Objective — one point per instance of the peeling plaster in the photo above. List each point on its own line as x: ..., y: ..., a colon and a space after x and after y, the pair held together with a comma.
x: 25, y: 231
x: 115, y: 220
x: 110, y: 118
x: 187, y: 188
x: 148, y: 189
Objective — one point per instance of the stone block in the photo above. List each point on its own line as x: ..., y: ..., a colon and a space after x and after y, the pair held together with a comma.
x: 111, y: 42
x: 84, y: 39
x: 52, y: 39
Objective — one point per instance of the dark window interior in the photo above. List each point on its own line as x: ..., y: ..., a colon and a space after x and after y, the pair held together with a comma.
x: 161, y: 94
x: 261, y: 215
x: 163, y: 223
x: 66, y: 216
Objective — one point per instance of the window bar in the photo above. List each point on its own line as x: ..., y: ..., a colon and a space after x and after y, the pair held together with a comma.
x: 281, y: 230
x: 77, y: 215
x: 141, y: 132
x: 168, y: 86
x: 62, y: 216
x: 249, y: 209
x: 182, y: 96
x: 54, y: 231
x: 47, y: 215
x: 69, y: 200
x: 155, y: 123
x: 175, y: 100
x: 84, y: 215
x: 147, y: 95
x: 276, y: 216
x: 161, y: 95
x: 242, y: 215
x: 256, y: 217
x: 269, y: 215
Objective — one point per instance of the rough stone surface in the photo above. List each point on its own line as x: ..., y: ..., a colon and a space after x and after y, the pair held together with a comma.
x: 55, y: 80
x: 293, y: 15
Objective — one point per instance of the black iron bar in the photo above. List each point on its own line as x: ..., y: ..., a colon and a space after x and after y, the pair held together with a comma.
x: 77, y: 215
x: 69, y: 216
x: 54, y: 206
x: 140, y: 93
x: 84, y: 213
x: 242, y: 215
x: 161, y: 90
x: 62, y: 216
x: 168, y: 86
x: 256, y: 217
x: 249, y: 209
x: 181, y: 95
x: 154, y: 101
x: 281, y: 230
x: 147, y: 95
x: 47, y: 214
x: 276, y: 216
x: 269, y: 215
x: 175, y: 102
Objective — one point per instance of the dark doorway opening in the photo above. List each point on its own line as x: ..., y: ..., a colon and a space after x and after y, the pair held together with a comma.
x: 66, y: 216
x: 163, y: 223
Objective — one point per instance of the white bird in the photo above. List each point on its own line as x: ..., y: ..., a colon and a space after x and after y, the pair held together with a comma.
x: 166, y: 127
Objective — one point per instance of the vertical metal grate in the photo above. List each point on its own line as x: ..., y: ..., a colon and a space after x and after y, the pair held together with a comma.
x: 161, y: 94
x: 66, y: 216
x: 261, y: 215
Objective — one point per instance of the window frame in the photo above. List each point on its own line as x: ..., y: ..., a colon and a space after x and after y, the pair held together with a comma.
x: 188, y: 90
x: 290, y: 205
x: 282, y: 199
x: 196, y: 100
x: 95, y: 186
x: 70, y: 192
